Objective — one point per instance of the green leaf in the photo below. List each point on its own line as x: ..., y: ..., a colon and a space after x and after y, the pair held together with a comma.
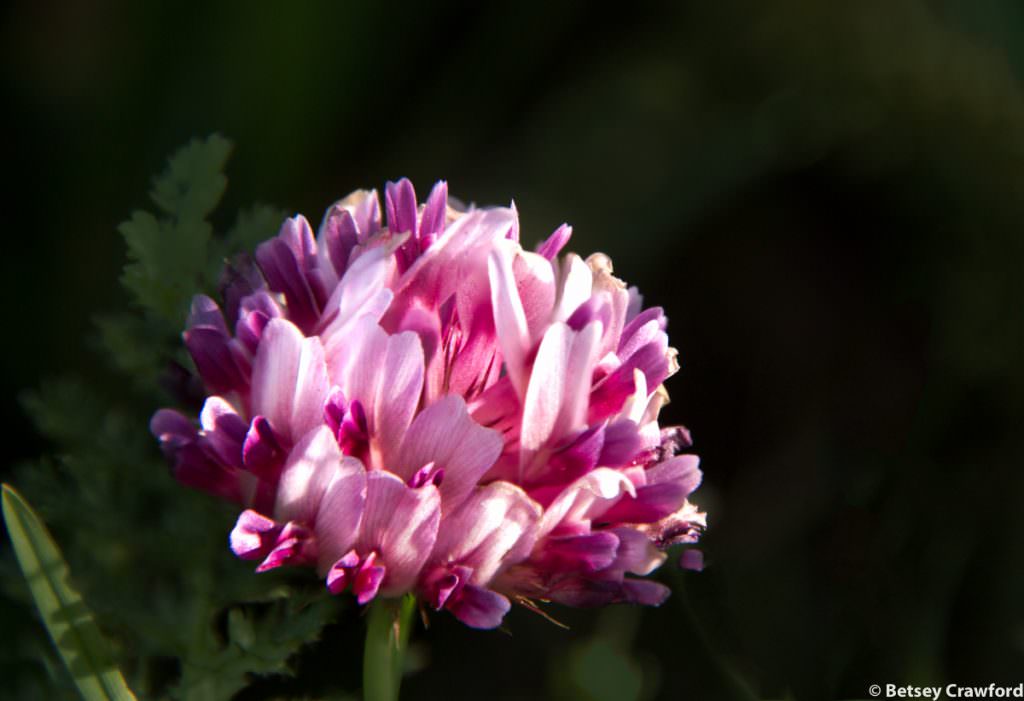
x: 194, y: 180
x: 253, y: 226
x: 168, y: 253
x: 261, y: 638
x: 135, y: 347
x: 67, y: 618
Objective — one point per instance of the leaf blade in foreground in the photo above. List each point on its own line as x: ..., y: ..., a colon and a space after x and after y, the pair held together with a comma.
x: 67, y: 618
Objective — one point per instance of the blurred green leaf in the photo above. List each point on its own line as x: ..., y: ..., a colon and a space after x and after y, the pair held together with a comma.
x: 67, y: 618
x: 252, y: 226
x: 194, y: 180
x: 601, y: 672
x: 261, y: 638
x: 168, y: 255
x: 134, y: 346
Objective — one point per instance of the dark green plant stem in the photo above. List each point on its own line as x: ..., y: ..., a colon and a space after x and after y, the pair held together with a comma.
x: 387, y: 633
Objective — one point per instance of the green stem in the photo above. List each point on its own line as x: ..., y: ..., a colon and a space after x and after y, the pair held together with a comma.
x: 387, y: 634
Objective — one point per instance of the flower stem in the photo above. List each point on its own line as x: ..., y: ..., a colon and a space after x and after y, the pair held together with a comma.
x: 387, y: 632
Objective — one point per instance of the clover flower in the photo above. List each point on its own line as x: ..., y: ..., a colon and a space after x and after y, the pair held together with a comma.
x: 427, y: 407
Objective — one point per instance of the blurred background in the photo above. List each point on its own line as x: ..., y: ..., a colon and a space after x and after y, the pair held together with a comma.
x: 825, y: 197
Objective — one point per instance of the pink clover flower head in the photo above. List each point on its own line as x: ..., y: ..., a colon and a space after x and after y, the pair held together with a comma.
x: 426, y: 406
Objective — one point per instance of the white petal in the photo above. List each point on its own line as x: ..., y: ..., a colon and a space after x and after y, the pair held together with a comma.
x: 509, y: 317
x: 274, y: 373
x: 312, y: 465
x: 400, y: 524
x: 340, y: 512
x: 546, y: 390
x: 494, y: 528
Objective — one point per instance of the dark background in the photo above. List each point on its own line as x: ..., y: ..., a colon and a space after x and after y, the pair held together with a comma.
x: 826, y: 198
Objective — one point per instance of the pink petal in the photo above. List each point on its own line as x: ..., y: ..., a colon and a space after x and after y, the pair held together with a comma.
x: 478, y: 607
x: 636, y: 323
x: 341, y: 573
x: 400, y: 205
x: 668, y: 485
x: 550, y: 247
x: 361, y: 291
x: 636, y: 553
x: 254, y: 535
x: 609, y: 396
x: 312, y: 464
x: 588, y: 496
x: 368, y: 579
x: 650, y: 332
x: 445, y: 435
x: 275, y: 372
x: 535, y: 282
x: 353, y: 361
x: 294, y: 546
x: 574, y: 458
x: 398, y: 394
x: 644, y: 592
x: 311, y: 388
x: 224, y: 430
x: 692, y: 560
x: 589, y: 552
x: 575, y: 289
x: 205, y: 312
x: 385, y: 374
x: 494, y: 528
x: 578, y: 371
x: 545, y: 393
x: 364, y: 206
x: 558, y: 394
x: 337, y: 238
x: 509, y: 316
x: 287, y: 262
x: 400, y: 525
x: 457, y: 265
x: 622, y: 443
x: 432, y: 220
x: 340, y: 511
x: 262, y: 453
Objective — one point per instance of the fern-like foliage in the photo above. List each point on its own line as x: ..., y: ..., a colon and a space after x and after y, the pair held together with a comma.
x: 168, y: 252
x: 188, y: 621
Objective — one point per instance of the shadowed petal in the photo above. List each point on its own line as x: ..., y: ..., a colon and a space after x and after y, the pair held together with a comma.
x: 668, y: 485
x: 224, y: 430
x: 478, y: 607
